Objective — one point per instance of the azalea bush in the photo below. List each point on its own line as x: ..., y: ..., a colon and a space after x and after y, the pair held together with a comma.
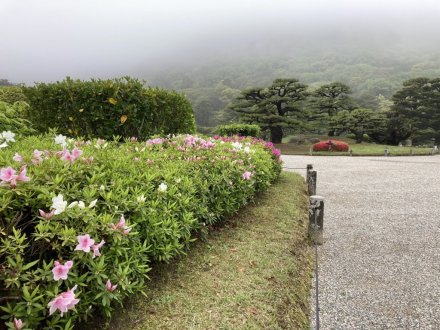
x: 106, y: 108
x: 82, y: 221
x: 331, y: 145
x: 12, y: 118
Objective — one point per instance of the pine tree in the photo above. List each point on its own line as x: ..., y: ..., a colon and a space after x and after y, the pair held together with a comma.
x: 273, y: 108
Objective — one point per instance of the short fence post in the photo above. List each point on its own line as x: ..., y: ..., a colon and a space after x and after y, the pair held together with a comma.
x: 309, y: 167
x: 311, y: 183
x: 386, y: 152
x: 316, y: 219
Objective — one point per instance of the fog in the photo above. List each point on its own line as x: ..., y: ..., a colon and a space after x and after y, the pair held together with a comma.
x: 46, y: 40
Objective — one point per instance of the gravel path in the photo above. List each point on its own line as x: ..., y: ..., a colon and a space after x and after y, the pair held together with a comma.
x: 379, y: 267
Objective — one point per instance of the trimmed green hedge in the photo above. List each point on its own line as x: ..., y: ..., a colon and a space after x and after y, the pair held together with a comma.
x: 105, y: 108
x: 140, y: 201
x: 239, y: 129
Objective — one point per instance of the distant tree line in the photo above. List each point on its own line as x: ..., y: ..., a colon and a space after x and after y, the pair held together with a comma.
x: 288, y: 104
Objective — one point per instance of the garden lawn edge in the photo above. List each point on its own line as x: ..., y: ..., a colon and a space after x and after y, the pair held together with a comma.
x: 252, y: 271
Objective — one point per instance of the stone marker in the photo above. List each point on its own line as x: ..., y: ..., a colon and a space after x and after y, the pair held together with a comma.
x: 316, y: 219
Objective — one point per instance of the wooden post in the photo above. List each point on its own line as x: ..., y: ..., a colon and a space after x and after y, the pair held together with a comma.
x: 316, y: 219
x: 309, y: 167
x: 311, y: 183
x: 386, y: 152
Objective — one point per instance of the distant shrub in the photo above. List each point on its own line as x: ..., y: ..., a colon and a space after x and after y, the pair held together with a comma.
x: 11, y: 94
x: 106, y: 108
x: 297, y: 139
x: 239, y: 129
x: 205, y: 130
x: 331, y: 145
x: 314, y: 140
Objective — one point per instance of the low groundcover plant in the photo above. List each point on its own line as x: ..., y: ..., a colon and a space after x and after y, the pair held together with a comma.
x: 81, y: 221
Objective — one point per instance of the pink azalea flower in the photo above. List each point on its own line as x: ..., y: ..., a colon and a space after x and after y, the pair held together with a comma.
x: 120, y: 226
x: 60, y: 271
x: 76, y: 153
x: 17, y: 158
x: 96, y: 247
x: 22, y: 175
x: 67, y: 156
x: 18, y: 324
x: 7, y: 174
x: 246, y: 175
x: 36, y: 157
x: 110, y: 287
x: 63, y: 302
x: 48, y: 215
x: 84, y: 243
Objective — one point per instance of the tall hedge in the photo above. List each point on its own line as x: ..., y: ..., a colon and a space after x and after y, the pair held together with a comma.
x: 105, y: 108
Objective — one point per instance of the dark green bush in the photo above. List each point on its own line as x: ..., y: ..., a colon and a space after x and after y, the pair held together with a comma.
x: 239, y: 129
x: 105, y: 108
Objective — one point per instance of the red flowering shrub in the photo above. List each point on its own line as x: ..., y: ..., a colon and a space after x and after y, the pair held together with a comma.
x: 330, y: 145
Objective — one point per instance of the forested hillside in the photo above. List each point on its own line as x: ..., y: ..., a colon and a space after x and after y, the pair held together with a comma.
x: 373, y: 74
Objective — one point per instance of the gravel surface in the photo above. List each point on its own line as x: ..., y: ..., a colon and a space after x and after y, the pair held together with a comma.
x: 379, y: 267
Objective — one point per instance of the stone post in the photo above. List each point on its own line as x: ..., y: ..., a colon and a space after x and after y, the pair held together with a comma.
x: 316, y: 219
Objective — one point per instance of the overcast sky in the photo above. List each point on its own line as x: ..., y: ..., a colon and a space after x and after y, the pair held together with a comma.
x: 46, y: 40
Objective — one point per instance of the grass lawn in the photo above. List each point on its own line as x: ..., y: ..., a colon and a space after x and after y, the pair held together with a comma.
x: 358, y: 149
x: 252, y: 272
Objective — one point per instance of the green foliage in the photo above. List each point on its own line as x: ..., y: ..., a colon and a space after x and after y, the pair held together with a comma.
x: 359, y: 122
x: 11, y: 94
x: 328, y: 100
x: 416, y: 107
x: 273, y: 108
x: 165, y: 188
x: 239, y: 129
x: 106, y: 108
x: 11, y: 118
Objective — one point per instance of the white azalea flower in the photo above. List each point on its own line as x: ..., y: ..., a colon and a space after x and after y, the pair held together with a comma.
x: 81, y: 205
x: 93, y: 203
x: 58, y: 204
x: 162, y: 187
x: 72, y: 205
x: 3, y: 145
x: 141, y: 199
x: 8, y: 136
x: 61, y: 139
x: 102, y: 187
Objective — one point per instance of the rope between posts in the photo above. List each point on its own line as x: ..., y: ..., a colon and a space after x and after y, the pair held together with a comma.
x: 295, y: 168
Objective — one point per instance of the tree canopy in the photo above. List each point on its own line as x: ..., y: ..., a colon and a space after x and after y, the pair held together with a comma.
x: 417, y: 108
x: 273, y: 108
